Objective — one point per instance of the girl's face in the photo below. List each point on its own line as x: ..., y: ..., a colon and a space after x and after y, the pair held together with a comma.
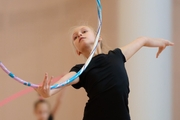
x: 42, y: 111
x: 83, y: 38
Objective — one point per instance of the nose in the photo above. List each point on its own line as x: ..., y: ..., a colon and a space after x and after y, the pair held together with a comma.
x: 80, y: 34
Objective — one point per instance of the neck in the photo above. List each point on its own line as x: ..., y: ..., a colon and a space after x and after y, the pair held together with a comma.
x: 97, y: 52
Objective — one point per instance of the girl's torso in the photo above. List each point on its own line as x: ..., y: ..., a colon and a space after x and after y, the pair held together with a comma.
x: 106, y: 83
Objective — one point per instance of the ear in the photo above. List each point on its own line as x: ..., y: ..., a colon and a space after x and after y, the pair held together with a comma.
x: 100, y: 39
x: 79, y: 53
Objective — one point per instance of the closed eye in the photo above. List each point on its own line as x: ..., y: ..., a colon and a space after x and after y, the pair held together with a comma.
x: 75, y: 38
x: 85, y: 31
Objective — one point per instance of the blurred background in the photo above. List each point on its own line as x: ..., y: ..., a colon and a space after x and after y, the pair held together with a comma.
x: 35, y: 38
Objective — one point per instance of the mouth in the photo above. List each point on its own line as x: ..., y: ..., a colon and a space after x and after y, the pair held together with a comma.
x: 81, y: 38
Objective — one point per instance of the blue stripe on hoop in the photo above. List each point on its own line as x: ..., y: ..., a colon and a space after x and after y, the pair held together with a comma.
x: 27, y: 84
x: 11, y: 75
x: 54, y: 86
x: 99, y: 3
x: 99, y: 7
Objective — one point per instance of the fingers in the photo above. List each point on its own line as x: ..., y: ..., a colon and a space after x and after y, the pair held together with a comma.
x: 45, y: 79
x: 159, y: 51
x: 170, y: 43
x: 46, y: 83
x: 44, y: 89
x: 164, y: 44
x: 49, y: 83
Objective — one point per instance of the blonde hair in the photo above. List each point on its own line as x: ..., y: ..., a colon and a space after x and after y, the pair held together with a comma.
x: 40, y: 101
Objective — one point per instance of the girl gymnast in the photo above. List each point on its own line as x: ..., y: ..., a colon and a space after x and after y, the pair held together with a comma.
x: 42, y: 108
x: 105, y: 79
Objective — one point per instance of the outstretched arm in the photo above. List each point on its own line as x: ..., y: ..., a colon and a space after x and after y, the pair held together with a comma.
x: 44, y: 89
x: 130, y: 49
x: 58, y: 102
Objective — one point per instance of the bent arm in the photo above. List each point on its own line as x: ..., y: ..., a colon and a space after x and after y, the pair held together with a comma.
x: 63, y: 79
x: 44, y: 89
x: 130, y: 49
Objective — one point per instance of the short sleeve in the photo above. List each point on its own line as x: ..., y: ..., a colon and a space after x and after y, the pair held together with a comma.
x: 50, y: 117
x: 76, y: 68
x: 119, y: 53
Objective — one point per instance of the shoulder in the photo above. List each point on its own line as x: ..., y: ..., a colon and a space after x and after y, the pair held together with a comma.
x: 118, y: 53
x: 50, y: 117
x: 116, y: 50
x: 76, y: 68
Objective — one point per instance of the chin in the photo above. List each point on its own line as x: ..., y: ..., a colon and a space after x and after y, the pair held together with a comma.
x: 85, y: 47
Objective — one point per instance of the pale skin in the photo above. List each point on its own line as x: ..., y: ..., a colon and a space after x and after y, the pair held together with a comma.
x: 83, y: 39
x: 42, y: 110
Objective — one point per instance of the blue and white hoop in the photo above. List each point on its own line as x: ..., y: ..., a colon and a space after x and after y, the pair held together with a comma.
x: 99, y: 9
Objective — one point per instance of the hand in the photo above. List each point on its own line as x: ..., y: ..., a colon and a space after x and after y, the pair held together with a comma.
x: 160, y: 43
x: 163, y: 45
x: 44, y: 89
